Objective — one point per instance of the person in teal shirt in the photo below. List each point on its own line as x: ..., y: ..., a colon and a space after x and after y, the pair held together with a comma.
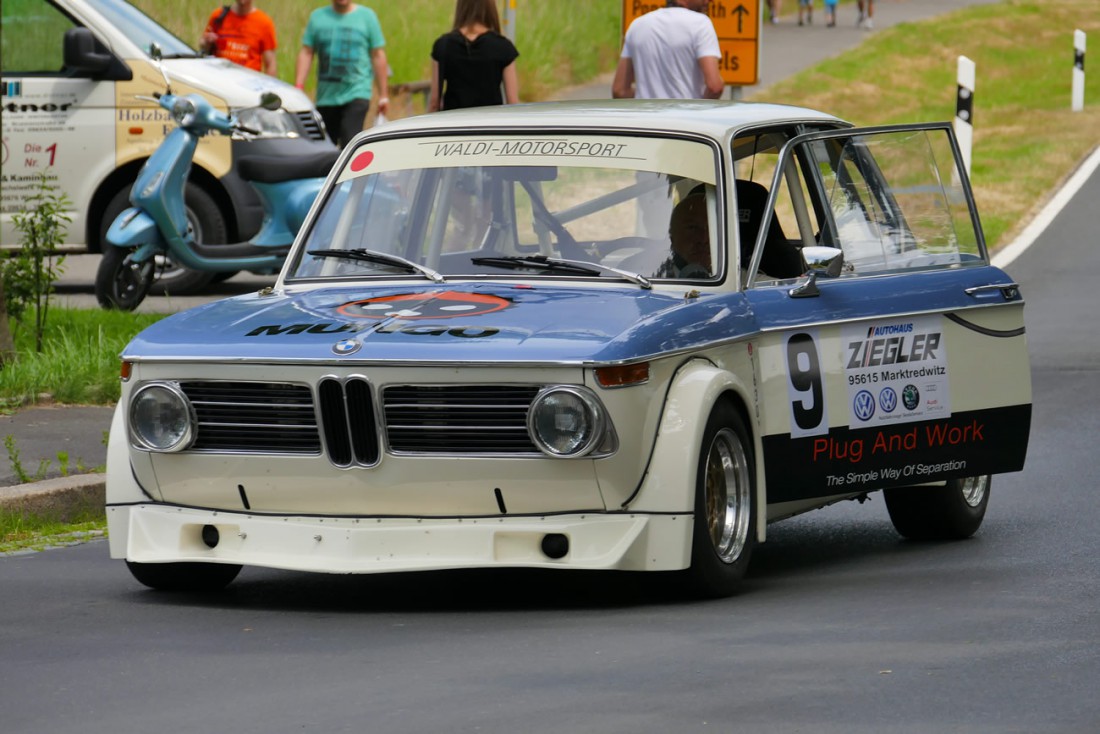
x: 350, y: 48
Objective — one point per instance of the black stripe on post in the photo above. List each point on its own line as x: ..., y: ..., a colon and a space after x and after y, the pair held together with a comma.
x: 964, y: 104
x: 1079, y: 59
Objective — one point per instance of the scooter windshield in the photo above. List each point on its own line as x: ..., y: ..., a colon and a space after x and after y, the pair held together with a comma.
x: 574, y: 205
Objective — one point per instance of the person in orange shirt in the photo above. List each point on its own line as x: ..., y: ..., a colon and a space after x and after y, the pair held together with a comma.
x: 243, y: 34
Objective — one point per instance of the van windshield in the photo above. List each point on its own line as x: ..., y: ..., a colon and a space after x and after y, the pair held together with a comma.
x: 142, y: 29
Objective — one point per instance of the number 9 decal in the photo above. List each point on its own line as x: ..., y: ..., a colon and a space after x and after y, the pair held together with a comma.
x: 805, y: 388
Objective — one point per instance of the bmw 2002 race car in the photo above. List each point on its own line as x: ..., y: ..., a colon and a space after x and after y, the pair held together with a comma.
x: 604, y: 335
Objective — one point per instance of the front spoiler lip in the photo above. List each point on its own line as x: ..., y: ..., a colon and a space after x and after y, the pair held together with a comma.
x: 158, y: 533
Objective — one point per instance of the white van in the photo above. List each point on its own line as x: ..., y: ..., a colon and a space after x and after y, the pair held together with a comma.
x: 71, y: 73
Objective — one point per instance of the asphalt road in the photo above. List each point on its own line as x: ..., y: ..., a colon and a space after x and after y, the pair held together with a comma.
x: 842, y: 628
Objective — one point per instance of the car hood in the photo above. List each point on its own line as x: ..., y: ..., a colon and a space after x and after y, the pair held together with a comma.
x: 237, y: 85
x: 446, y: 323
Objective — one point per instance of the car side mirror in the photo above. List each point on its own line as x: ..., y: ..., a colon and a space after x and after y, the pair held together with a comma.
x: 80, y: 55
x: 817, y: 261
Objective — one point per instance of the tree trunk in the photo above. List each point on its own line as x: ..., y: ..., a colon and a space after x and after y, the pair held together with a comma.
x: 7, y: 346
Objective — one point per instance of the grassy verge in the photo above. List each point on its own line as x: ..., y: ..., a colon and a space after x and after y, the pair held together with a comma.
x: 1026, y: 139
x: 25, y: 533
x: 561, y: 42
x: 79, y: 362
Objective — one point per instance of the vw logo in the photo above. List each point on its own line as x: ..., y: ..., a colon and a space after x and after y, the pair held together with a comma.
x: 910, y: 397
x: 864, y: 405
x: 347, y: 346
x: 888, y: 400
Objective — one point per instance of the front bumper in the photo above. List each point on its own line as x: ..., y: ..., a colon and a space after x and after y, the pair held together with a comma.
x: 159, y: 533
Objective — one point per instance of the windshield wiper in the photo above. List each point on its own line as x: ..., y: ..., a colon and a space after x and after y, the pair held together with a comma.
x: 579, y: 267
x: 380, y: 258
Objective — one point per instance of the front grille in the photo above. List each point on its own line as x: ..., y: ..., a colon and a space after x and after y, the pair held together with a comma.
x: 347, y: 418
x: 280, y: 418
x: 478, y: 419
x: 264, y: 417
x: 311, y: 124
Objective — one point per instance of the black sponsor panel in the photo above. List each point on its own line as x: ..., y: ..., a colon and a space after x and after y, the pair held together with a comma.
x: 843, y: 460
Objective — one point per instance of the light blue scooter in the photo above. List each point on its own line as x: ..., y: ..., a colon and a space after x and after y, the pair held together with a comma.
x: 156, y: 223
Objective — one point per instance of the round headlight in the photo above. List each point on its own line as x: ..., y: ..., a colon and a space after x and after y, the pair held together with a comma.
x: 161, y: 418
x: 183, y: 112
x: 565, y: 421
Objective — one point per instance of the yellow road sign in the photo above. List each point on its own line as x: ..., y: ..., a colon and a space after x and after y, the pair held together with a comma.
x: 737, y: 23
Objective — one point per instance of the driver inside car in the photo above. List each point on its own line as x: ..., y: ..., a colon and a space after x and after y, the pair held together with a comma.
x: 690, y: 235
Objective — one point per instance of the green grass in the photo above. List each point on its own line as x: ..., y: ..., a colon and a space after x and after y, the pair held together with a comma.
x: 79, y: 363
x: 1026, y: 139
x: 28, y: 532
x: 561, y: 42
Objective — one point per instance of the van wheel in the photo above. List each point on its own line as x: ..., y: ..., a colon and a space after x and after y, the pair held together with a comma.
x: 952, y: 512
x: 209, y: 225
x: 724, y: 531
x: 184, y: 576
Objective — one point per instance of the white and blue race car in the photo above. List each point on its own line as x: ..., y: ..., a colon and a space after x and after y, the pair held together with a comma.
x: 603, y: 335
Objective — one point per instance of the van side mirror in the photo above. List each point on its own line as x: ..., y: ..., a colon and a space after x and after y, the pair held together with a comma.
x: 80, y: 55
x: 270, y: 101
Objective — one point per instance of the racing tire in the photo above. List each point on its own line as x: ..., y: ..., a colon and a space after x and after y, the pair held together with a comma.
x: 724, y: 531
x: 209, y: 225
x: 184, y: 576
x: 119, y: 283
x: 952, y: 512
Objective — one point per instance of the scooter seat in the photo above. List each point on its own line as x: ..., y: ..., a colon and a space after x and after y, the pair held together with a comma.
x: 275, y: 169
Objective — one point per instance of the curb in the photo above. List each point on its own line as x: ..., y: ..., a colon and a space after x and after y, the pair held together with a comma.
x: 63, y: 499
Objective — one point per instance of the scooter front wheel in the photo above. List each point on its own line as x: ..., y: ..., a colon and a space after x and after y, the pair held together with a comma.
x: 121, y: 283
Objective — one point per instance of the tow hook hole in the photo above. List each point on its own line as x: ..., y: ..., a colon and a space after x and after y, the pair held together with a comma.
x: 210, y: 536
x: 555, y: 545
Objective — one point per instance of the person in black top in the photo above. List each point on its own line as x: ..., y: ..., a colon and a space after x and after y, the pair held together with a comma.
x: 472, y: 62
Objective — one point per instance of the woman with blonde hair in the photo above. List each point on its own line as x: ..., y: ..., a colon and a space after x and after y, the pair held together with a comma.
x: 472, y: 62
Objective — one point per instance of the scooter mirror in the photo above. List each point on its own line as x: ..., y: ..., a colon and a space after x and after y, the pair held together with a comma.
x: 270, y: 101
x: 157, y: 54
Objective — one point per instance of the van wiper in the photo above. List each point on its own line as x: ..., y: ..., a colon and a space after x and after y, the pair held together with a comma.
x: 578, y: 267
x: 380, y: 258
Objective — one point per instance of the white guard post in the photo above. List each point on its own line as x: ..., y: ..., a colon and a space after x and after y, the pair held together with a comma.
x: 964, y: 109
x: 509, y: 20
x: 1078, y: 71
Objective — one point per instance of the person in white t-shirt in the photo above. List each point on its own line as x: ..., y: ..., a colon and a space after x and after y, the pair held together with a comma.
x: 670, y: 53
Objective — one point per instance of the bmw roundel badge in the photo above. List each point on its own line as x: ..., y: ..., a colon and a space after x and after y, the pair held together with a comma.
x: 347, y: 346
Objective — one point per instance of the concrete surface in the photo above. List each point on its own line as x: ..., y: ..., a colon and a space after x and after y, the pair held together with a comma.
x: 40, y: 432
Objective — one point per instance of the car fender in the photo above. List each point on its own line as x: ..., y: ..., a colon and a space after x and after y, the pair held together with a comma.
x: 122, y: 487
x: 669, y: 482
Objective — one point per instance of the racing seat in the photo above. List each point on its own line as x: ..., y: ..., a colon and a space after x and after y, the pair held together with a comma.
x: 780, y: 259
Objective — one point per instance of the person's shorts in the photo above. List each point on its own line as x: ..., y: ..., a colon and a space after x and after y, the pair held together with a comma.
x: 806, y: 3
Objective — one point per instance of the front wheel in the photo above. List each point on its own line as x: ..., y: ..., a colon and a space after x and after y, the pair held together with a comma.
x: 184, y: 576
x: 952, y: 512
x: 724, y: 531
x: 121, y: 283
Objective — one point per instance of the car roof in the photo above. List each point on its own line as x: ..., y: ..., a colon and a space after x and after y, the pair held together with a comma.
x: 714, y: 118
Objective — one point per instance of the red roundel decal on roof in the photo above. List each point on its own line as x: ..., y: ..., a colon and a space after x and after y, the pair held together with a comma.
x: 446, y: 305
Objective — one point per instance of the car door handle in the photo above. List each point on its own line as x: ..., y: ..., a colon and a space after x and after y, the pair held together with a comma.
x: 1009, y: 291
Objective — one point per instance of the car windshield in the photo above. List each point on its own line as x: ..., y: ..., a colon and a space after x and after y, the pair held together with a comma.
x: 627, y: 208
x: 142, y: 29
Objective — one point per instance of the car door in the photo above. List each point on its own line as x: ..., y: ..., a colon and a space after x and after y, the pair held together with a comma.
x: 904, y: 362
